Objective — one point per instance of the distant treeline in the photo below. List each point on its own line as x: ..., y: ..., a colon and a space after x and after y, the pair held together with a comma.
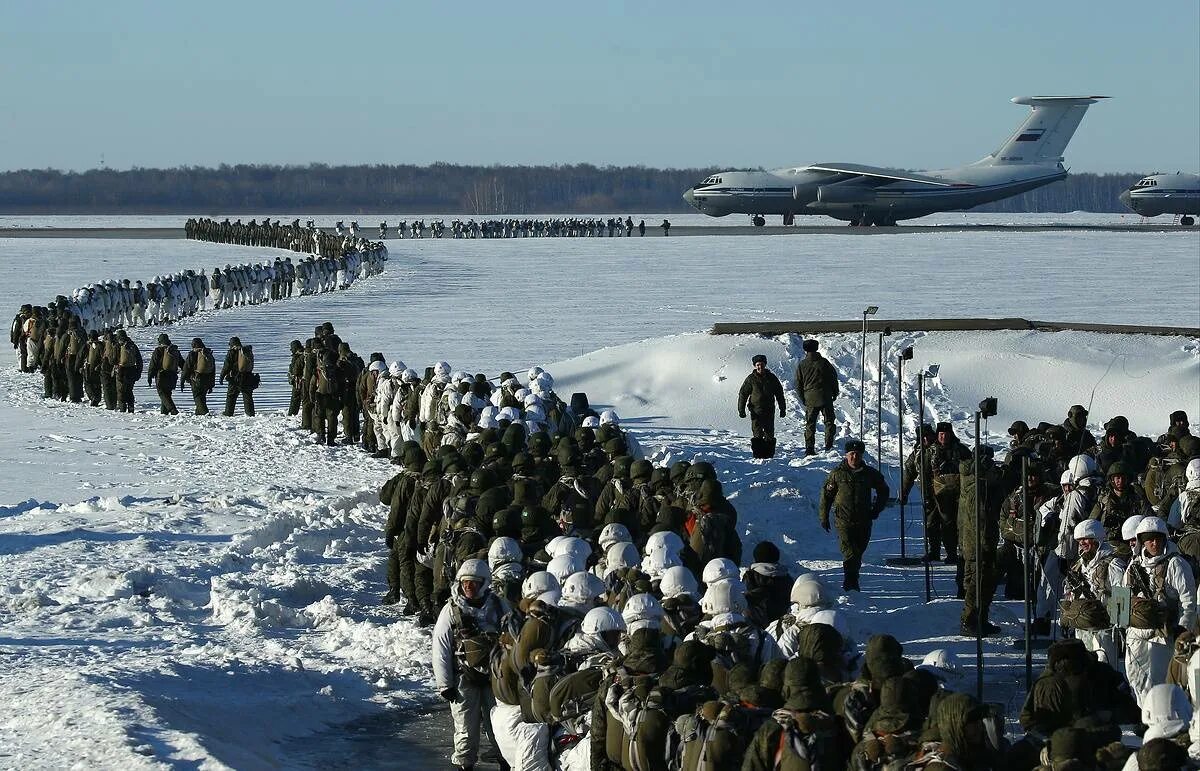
x: 438, y: 188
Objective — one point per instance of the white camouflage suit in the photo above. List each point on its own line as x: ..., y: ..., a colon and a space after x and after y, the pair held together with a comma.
x: 1148, y: 651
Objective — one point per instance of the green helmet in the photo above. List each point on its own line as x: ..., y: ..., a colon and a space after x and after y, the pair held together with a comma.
x: 621, y: 466
x: 482, y: 479
x: 641, y: 470
x: 534, y: 517
x: 539, y: 443
x: 700, y: 470
x: 163, y: 339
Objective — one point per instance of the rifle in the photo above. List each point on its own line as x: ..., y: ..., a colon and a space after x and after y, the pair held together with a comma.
x: 1079, y: 586
x: 1139, y: 581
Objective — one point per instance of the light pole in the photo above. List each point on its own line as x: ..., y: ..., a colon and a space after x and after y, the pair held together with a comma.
x: 905, y: 355
x: 887, y: 332
x: 862, y: 373
x: 930, y: 372
x: 987, y: 408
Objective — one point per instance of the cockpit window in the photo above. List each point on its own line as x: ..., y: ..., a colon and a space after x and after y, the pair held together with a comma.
x: 1147, y: 183
x: 713, y: 180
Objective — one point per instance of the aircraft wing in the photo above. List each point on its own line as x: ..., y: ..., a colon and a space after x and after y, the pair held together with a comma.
x: 882, y: 176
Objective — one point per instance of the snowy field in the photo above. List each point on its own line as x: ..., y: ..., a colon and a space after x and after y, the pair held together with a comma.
x: 202, y: 592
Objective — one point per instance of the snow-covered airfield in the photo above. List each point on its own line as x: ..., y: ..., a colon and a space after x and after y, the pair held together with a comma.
x: 204, y: 591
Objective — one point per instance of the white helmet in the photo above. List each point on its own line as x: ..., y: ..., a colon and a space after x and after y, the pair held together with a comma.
x: 725, y: 597
x: 475, y: 570
x: 576, y: 547
x: 487, y: 419
x: 1129, y: 529
x: 1065, y: 478
x: 656, y: 563
x: 678, y: 581
x: 939, y: 663
x: 591, y: 421
x: 1082, y: 466
x: 725, y: 620
x: 602, y: 619
x: 531, y: 400
x: 719, y: 569
x: 520, y: 394
x: 565, y: 565
x: 458, y: 377
x: 534, y: 413
x: 410, y: 376
x: 582, y: 589
x: 533, y: 372
x: 809, y: 594
x: 1192, y: 473
x: 614, y: 532
x: 609, y: 417
x: 552, y: 597
x: 508, y: 413
x: 538, y: 583
x: 665, y: 541
x: 441, y: 369
x: 642, y: 611
x: 1090, y: 528
x: 621, y: 555
x: 378, y: 366
x: 1166, y: 710
x: 504, y: 550
x: 1151, y: 525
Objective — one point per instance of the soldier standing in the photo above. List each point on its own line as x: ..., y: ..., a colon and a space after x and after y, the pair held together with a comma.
x: 129, y: 366
x: 164, y: 374
x: 295, y: 377
x: 979, y: 569
x: 92, y: 366
x: 761, y: 391
x: 817, y: 385
x: 200, y: 371
x: 848, y: 490
x: 108, y: 370
x: 17, y: 335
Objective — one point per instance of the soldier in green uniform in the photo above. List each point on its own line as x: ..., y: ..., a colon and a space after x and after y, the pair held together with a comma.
x: 108, y: 370
x: 847, y: 490
x: 200, y: 372
x: 761, y: 391
x: 164, y: 368
x: 295, y: 379
x: 943, y: 457
x: 817, y: 385
x: 979, y: 567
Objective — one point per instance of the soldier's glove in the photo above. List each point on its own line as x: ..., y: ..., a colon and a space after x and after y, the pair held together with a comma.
x: 741, y: 413
x: 389, y: 539
x: 451, y: 695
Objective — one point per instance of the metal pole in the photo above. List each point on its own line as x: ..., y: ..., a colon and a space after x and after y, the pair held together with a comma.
x: 862, y: 380
x: 1027, y: 553
x: 900, y: 441
x: 879, y: 408
x: 978, y: 567
x: 921, y: 481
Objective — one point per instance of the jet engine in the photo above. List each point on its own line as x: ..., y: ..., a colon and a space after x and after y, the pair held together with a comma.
x: 845, y: 194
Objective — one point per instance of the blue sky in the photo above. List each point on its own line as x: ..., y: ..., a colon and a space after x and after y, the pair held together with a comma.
x: 914, y: 85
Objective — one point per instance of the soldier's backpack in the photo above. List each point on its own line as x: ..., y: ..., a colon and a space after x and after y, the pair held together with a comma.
x: 326, y: 382
x: 95, y: 354
x: 632, y: 698
x: 245, y: 360
x: 170, y: 360
x: 205, y: 362
x: 473, y: 644
x: 716, y: 735
x: 76, y: 342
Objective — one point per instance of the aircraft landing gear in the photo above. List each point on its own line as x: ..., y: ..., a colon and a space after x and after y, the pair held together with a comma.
x: 789, y: 219
x: 758, y: 220
x: 1187, y: 222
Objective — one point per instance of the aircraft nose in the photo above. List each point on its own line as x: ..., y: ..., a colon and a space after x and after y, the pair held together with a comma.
x: 690, y: 197
x: 1126, y: 199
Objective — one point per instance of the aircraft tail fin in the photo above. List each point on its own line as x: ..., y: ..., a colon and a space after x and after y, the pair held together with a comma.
x: 1043, y: 136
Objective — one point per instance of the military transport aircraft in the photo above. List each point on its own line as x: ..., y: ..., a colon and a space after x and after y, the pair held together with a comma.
x: 869, y: 195
x: 1157, y: 194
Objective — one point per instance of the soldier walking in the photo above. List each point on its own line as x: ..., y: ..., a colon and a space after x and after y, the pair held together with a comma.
x: 761, y: 391
x: 164, y: 374
x: 238, y: 370
x: 200, y: 371
x: 817, y: 385
x: 847, y: 490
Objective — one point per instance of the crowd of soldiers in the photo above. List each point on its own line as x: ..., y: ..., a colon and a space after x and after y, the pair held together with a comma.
x: 305, y: 239
x: 589, y: 611
x: 101, y: 367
